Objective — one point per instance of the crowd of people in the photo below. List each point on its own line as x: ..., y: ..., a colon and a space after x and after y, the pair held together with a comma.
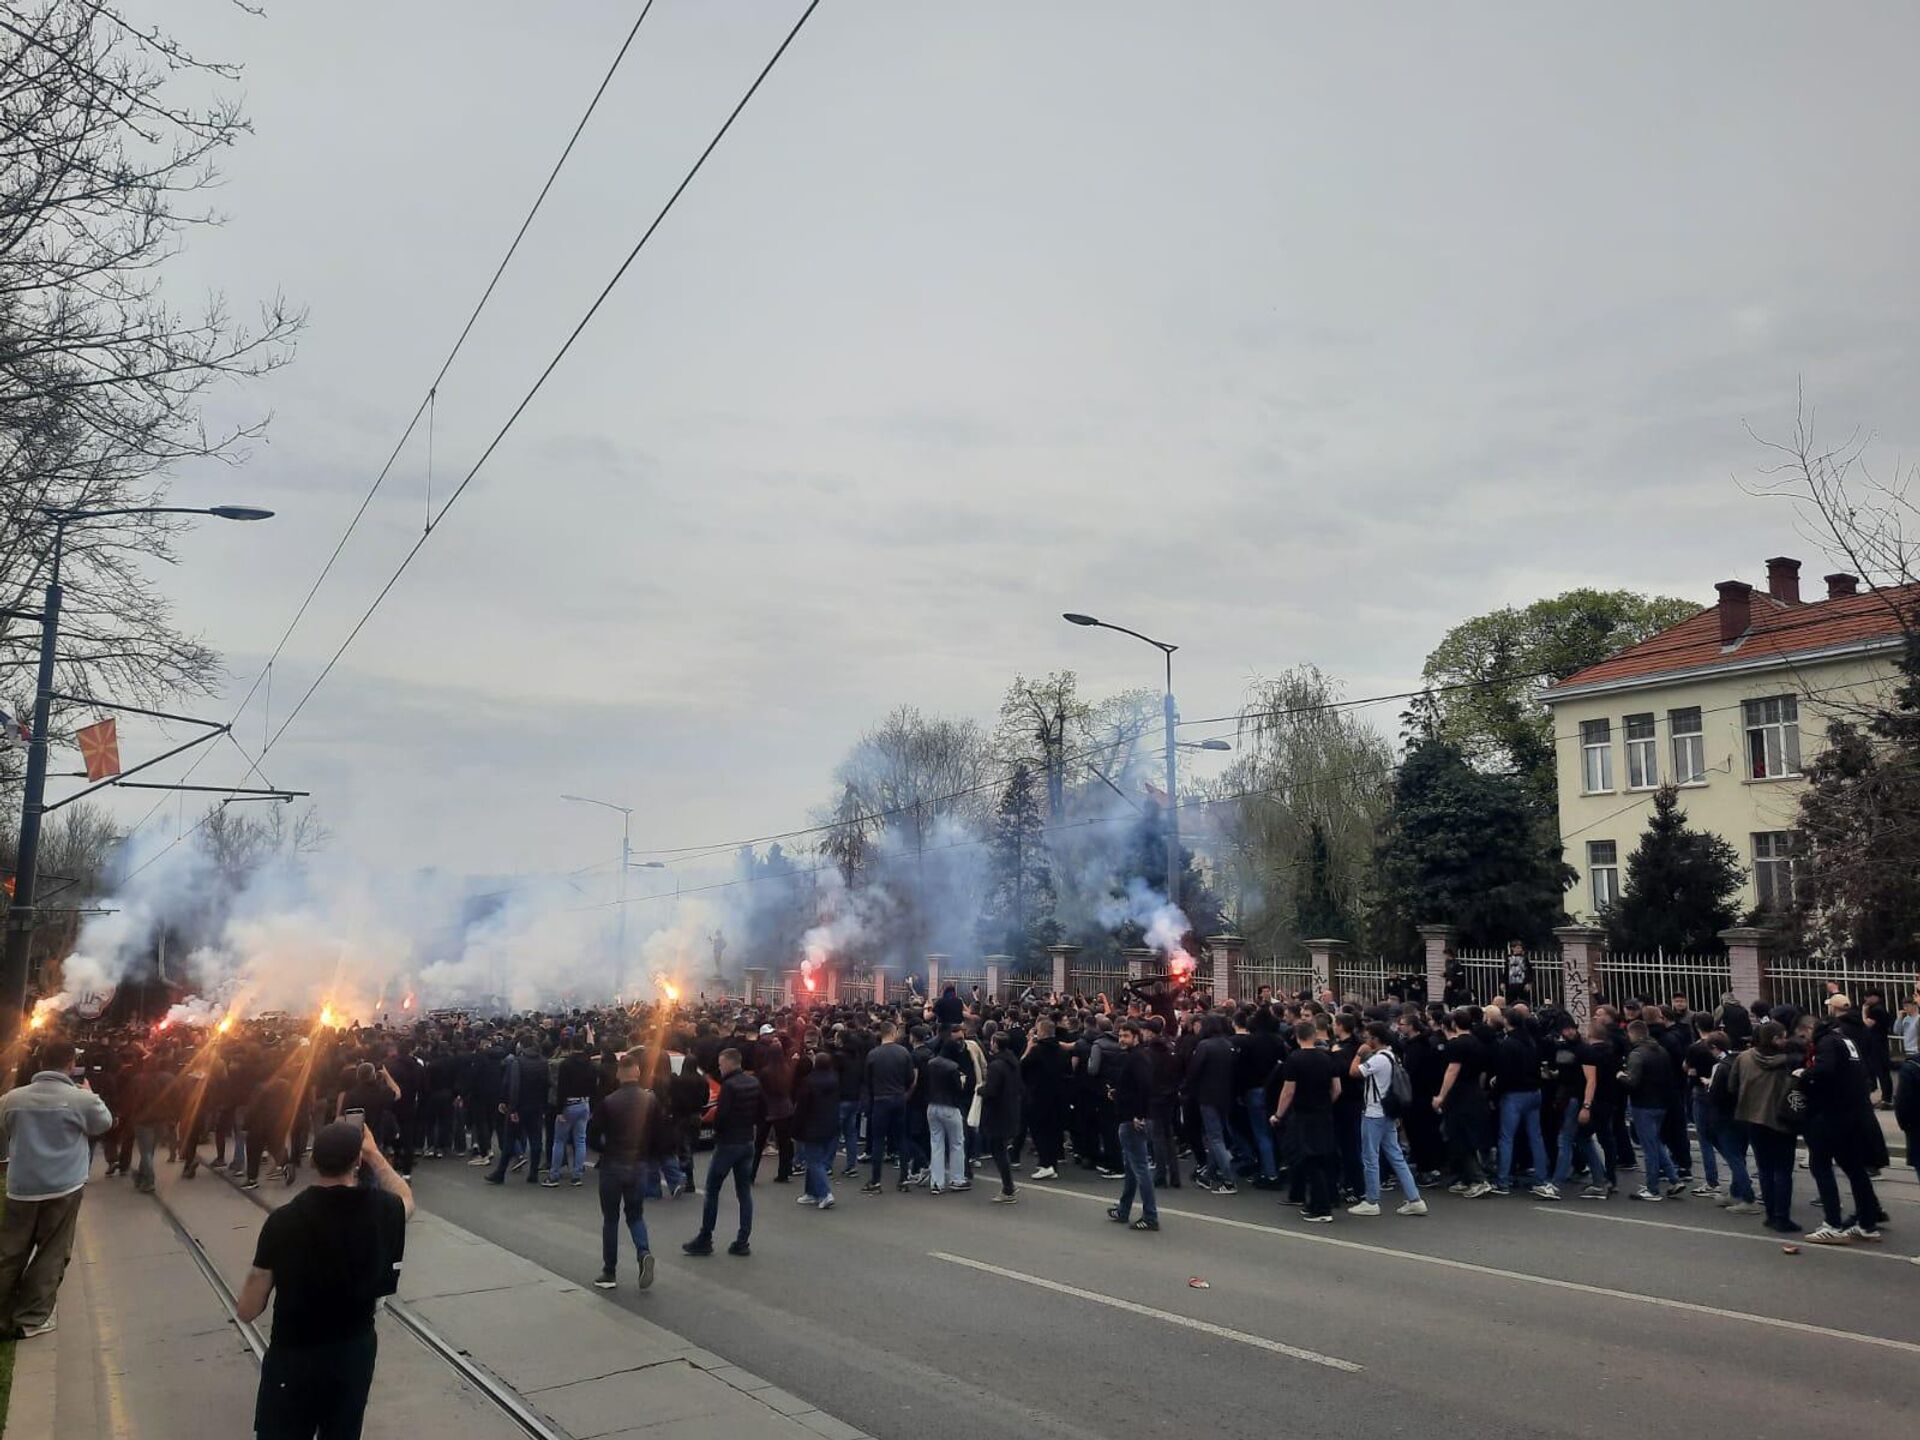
x: 1335, y: 1106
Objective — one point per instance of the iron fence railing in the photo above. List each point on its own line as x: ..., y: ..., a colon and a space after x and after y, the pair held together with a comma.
x: 1803, y: 982
x: 1661, y: 978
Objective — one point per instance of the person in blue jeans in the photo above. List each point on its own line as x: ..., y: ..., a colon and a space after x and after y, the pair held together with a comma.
x: 1648, y: 1080
x: 569, y: 1129
x: 890, y: 1079
x: 1132, y: 1094
x: 632, y: 1118
x: 1516, y: 1075
x: 1372, y: 1070
x: 739, y: 1109
x: 1582, y: 1117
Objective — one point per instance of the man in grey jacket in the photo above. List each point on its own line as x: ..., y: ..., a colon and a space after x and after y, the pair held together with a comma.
x: 46, y: 1125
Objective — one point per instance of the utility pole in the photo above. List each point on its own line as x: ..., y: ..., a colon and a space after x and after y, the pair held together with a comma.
x: 1173, y: 798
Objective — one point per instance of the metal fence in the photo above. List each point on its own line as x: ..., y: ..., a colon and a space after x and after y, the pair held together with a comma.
x: 1701, y: 979
x: 1364, y: 976
x: 1487, y: 975
x: 856, y: 989
x: 1097, y: 979
x: 1288, y: 977
x: 1803, y: 982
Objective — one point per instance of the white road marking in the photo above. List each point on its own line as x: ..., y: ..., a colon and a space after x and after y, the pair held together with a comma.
x: 1661, y: 1302
x: 1868, y: 1251
x: 1186, y: 1322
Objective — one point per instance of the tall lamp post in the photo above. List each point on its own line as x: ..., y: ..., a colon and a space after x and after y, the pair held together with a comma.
x: 21, y: 915
x: 626, y: 863
x: 1173, y: 799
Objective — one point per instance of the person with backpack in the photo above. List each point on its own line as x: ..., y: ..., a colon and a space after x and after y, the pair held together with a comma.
x: 1720, y: 1132
x: 1386, y: 1096
x: 1761, y: 1079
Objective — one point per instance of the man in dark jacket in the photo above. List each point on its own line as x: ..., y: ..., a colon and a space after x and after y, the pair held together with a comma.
x: 1046, y: 1071
x: 1841, y: 1127
x: 816, y: 1123
x: 629, y: 1118
x: 1674, y: 1036
x: 1001, y: 1094
x: 1210, y: 1087
x: 735, y: 1120
x: 1132, y: 1096
x: 889, y: 1081
x: 1649, y: 1080
x: 523, y: 1105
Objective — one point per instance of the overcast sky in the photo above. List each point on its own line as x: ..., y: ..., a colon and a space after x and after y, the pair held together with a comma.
x: 1292, y: 333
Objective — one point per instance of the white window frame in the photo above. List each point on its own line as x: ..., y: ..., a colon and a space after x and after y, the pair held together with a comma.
x: 1643, y: 751
x: 1596, y: 757
x: 1775, y: 857
x: 1603, y: 874
x: 1689, y: 745
x: 1773, y: 725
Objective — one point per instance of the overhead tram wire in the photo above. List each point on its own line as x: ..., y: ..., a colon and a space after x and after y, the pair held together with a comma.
x: 427, y: 401
x: 518, y: 410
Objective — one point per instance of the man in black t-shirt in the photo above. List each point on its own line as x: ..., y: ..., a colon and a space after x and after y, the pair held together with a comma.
x: 1309, y: 1086
x: 329, y: 1255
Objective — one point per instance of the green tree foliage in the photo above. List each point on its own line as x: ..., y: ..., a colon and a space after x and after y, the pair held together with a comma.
x: 1320, y: 910
x: 1680, y: 888
x: 1302, y: 769
x: 1496, y: 663
x: 1018, y: 916
x: 1858, y: 875
x: 1463, y: 847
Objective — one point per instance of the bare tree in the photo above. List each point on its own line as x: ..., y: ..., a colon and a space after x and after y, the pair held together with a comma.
x: 107, y: 155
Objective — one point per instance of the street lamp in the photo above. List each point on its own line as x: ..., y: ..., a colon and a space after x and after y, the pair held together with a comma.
x: 658, y: 865
x: 20, y: 915
x: 626, y: 863
x: 1173, y: 802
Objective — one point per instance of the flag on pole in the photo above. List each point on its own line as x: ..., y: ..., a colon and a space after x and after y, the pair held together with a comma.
x: 100, y: 749
x: 15, y: 733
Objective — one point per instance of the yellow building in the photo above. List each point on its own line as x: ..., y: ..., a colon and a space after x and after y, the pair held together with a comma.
x: 1729, y: 706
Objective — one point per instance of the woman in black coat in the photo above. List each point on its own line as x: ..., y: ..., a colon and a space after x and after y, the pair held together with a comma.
x: 1001, y: 1096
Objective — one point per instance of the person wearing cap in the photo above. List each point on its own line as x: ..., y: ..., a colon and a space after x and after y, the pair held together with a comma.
x: 330, y: 1255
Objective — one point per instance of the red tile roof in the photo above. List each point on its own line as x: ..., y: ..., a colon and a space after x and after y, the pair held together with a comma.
x: 1777, y: 630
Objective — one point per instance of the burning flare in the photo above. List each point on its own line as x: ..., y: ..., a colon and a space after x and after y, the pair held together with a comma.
x: 226, y: 1024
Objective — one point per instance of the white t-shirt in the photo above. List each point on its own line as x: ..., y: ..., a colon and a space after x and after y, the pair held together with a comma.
x: 1376, y: 1073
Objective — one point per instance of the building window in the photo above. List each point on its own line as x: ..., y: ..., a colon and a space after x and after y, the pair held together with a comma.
x: 1773, y: 737
x: 1773, y: 852
x: 1596, y: 745
x: 1643, y: 757
x: 1603, y: 870
x: 1689, y: 746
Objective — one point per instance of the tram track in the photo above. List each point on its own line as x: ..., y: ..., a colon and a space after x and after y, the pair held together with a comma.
x: 499, y: 1394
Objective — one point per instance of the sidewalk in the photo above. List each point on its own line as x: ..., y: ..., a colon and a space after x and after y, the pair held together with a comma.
x: 143, y: 1350
x: 592, y: 1370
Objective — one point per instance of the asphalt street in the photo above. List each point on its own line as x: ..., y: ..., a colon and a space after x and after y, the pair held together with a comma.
x: 935, y: 1316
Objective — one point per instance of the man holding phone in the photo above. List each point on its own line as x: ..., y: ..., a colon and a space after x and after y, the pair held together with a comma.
x: 331, y: 1254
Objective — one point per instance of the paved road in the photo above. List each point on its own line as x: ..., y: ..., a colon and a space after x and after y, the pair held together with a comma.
x: 927, y: 1317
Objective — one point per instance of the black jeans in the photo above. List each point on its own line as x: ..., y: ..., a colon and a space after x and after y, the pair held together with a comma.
x: 315, y: 1390
x: 1826, y: 1148
x: 1002, y: 1153
x: 781, y: 1130
x: 1773, y: 1164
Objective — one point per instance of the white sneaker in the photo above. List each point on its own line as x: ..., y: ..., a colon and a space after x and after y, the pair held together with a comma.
x: 827, y: 1203
x: 1412, y: 1207
x: 45, y: 1327
x: 1365, y: 1207
x: 806, y: 1200
x: 1705, y: 1192
x: 1830, y: 1235
x: 1045, y: 1172
x: 1545, y: 1192
x: 1475, y: 1191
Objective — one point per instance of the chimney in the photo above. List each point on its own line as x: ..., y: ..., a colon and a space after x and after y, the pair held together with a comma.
x: 1783, y: 579
x: 1841, y: 585
x: 1736, y: 609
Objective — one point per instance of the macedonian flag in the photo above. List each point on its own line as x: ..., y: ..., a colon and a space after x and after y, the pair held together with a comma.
x: 100, y: 749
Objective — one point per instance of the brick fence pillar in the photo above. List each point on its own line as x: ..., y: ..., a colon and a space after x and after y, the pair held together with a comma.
x: 1062, y: 956
x: 1581, y: 950
x: 1325, y: 955
x: 1747, y: 954
x: 1439, y: 942
x: 1229, y: 952
x: 997, y: 966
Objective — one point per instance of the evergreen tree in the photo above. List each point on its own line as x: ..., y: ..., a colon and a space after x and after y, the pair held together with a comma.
x: 1857, y: 878
x: 1318, y: 912
x: 1018, y: 916
x: 1463, y: 847
x: 1680, y: 888
x: 1144, y: 860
